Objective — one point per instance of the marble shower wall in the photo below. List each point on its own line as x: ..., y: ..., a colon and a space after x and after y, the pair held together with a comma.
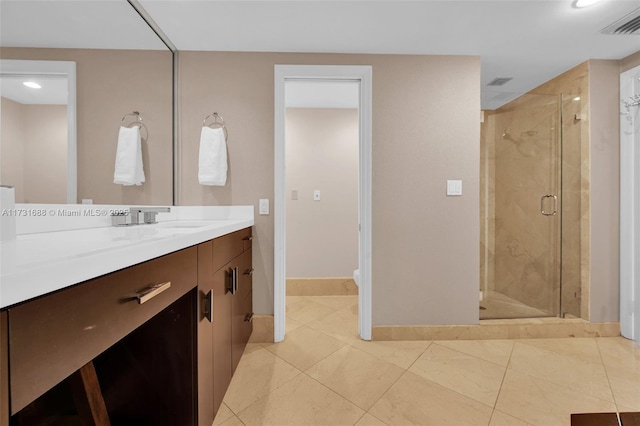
x: 523, y: 145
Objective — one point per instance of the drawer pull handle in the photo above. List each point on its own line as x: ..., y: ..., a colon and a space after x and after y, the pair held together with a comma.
x: 249, y: 317
x: 249, y: 272
x: 249, y: 238
x: 207, y: 305
x: 150, y: 292
x: 233, y: 281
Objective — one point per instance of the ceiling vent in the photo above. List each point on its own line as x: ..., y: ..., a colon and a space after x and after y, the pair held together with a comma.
x: 500, y: 81
x: 628, y: 25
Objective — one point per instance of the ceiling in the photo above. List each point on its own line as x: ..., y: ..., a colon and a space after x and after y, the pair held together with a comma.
x: 53, y: 91
x: 529, y: 40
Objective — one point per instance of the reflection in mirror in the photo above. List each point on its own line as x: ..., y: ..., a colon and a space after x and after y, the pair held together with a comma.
x: 38, y: 140
x: 121, y: 66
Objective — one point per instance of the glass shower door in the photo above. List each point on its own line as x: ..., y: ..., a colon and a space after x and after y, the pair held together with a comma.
x: 522, y: 177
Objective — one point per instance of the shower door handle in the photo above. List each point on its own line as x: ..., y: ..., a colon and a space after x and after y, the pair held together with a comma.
x: 555, y: 205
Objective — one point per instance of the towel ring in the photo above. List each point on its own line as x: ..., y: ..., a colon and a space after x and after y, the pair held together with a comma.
x: 138, y: 122
x: 220, y: 123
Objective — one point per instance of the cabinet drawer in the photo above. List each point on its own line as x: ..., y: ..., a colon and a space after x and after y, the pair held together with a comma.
x: 230, y: 246
x: 55, y: 335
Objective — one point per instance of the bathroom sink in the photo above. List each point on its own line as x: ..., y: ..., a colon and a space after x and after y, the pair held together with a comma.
x: 186, y: 225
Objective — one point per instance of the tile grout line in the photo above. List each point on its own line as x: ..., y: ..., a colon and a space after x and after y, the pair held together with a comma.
x: 563, y: 385
x: 506, y: 368
x: 268, y: 393
x: 406, y: 370
x: 606, y: 372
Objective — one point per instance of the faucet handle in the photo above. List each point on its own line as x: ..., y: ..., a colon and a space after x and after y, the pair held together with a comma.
x: 148, y: 213
x: 150, y: 217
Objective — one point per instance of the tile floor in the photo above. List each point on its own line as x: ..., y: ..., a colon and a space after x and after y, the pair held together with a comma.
x: 322, y: 374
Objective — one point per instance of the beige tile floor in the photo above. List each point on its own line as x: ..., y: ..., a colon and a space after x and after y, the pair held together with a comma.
x: 323, y: 374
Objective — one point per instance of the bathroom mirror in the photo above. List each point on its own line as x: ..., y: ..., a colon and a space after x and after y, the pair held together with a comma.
x: 121, y: 66
x: 38, y: 141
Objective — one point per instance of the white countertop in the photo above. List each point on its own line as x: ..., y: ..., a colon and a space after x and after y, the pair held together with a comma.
x: 35, y: 264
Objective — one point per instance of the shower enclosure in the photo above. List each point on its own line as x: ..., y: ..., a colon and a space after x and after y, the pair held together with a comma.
x: 531, y: 207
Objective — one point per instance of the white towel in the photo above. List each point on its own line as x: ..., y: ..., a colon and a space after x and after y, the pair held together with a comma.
x: 212, y: 163
x: 129, y: 170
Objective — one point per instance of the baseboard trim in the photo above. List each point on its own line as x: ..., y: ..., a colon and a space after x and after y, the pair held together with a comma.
x: 537, y: 328
x: 321, y: 287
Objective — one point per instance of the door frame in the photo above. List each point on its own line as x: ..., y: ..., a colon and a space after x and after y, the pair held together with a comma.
x: 362, y: 74
x: 629, y: 209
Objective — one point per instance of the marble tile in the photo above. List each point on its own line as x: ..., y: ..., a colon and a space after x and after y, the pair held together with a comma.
x: 258, y: 373
x: 501, y: 419
x: 463, y: 373
x: 233, y: 421
x: 290, y: 325
x: 625, y: 386
x: 618, y: 352
x: 496, y: 351
x: 400, y: 353
x: 338, y: 302
x: 357, y: 376
x: 584, y: 348
x: 342, y: 324
x: 413, y: 400
x: 304, y: 309
x: 544, y: 403
x: 369, y: 420
x: 562, y: 369
x: 301, y: 401
x: 304, y: 347
x: 224, y: 413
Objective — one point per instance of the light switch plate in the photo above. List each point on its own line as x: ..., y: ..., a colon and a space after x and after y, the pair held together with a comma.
x: 263, y: 208
x: 316, y: 195
x: 454, y: 188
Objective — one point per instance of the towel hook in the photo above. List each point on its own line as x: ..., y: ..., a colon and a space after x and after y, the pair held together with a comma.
x: 220, y: 123
x: 138, y: 122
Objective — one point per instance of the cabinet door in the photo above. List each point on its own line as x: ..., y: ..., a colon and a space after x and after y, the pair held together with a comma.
x: 4, y: 370
x: 222, y: 369
x: 241, y: 325
x: 205, y: 334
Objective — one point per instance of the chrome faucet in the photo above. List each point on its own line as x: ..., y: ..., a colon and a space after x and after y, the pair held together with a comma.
x: 148, y: 214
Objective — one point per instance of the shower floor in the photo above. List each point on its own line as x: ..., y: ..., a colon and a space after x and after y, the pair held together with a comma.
x: 498, y: 306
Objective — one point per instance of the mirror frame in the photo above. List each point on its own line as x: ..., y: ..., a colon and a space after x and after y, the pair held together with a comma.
x: 56, y: 69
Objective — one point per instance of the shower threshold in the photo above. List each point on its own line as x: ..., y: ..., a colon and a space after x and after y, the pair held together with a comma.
x: 499, y: 306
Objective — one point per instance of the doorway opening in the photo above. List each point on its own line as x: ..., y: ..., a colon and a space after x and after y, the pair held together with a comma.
x: 300, y: 75
x: 321, y: 180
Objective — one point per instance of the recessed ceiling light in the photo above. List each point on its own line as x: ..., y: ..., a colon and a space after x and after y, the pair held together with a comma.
x: 32, y: 85
x: 584, y: 3
x: 577, y: 98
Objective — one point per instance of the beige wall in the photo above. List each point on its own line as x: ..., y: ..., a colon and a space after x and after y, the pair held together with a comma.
x: 630, y: 61
x: 322, y: 153
x: 604, y: 93
x: 34, y: 158
x: 45, y: 154
x: 425, y: 131
x: 11, y: 148
x: 111, y: 83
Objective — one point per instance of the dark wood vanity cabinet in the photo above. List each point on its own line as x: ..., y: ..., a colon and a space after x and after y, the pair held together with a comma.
x: 163, y: 354
x: 224, y: 272
x: 4, y: 369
